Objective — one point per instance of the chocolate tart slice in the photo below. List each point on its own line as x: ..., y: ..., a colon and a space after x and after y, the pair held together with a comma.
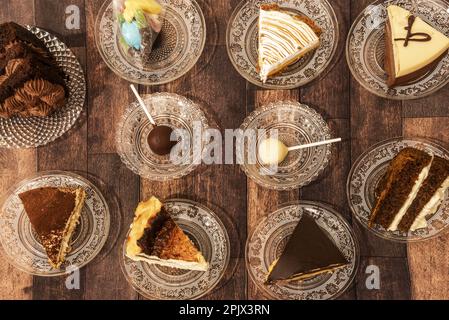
x: 413, y: 47
x: 54, y: 214
x: 308, y: 253
x: 155, y: 238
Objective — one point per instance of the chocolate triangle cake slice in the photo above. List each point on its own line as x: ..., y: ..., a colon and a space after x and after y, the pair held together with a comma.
x: 54, y: 214
x: 429, y: 198
x: 155, y: 238
x: 400, y: 185
x: 308, y: 253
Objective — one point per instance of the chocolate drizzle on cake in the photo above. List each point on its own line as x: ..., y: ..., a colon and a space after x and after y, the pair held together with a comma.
x: 417, y: 36
x: 31, y: 84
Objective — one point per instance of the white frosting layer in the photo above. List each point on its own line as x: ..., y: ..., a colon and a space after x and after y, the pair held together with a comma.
x: 418, y: 183
x: 283, y: 39
x: 431, y: 207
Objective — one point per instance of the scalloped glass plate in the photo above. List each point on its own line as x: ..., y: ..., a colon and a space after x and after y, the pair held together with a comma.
x: 179, y: 46
x: 20, y: 243
x: 19, y: 132
x: 208, y: 233
x: 365, y: 50
x: 242, y: 39
x: 365, y: 175
x: 270, y: 237
x: 296, y: 124
x: 167, y: 109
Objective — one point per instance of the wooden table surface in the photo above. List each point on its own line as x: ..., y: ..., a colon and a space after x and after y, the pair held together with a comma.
x: 414, y: 271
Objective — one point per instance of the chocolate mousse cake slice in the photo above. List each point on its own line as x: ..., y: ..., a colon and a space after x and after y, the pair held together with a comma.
x: 155, y: 238
x: 31, y: 84
x: 54, y: 214
x: 308, y: 253
x: 429, y: 198
x: 400, y: 185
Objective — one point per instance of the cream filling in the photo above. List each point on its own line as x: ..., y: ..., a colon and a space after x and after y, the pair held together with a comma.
x: 397, y: 219
x: 72, y: 222
x: 201, y: 265
x: 431, y: 207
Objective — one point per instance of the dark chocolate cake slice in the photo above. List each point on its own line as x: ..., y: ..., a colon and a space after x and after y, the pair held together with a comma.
x: 402, y: 181
x: 31, y: 84
x: 309, y: 252
x: 429, y: 197
x: 54, y: 214
x: 156, y: 239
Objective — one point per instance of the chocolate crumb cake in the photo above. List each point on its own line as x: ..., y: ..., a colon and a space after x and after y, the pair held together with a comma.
x: 308, y: 253
x: 155, y: 238
x: 31, y: 84
x: 54, y: 214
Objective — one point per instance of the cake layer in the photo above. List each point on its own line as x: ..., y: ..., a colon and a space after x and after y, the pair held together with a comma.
x: 429, y: 196
x: 404, y: 177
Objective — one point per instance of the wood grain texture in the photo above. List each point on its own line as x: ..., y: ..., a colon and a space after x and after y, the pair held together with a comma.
x: 429, y: 260
x: 15, y: 165
x: 68, y: 153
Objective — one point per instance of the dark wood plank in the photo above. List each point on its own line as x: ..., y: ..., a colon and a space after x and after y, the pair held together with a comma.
x: 69, y: 152
x: 374, y: 119
x: 429, y: 260
x: 14, y: 166
x: 433, y: 106
x: 392, y: 285
x: 121, y: 189
x: 261, y: 201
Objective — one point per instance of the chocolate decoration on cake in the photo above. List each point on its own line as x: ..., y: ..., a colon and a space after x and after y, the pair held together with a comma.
x: 31, y: 83
x: 159, y: 140
x: 417, y: 36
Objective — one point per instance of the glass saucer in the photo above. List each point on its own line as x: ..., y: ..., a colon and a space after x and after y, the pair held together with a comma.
x: 19, y: 132
x: 19, y: 241
x: 296, y: 124
x: 177, y: 50
x: 167, y: 109
x: 208, y: 233
x: 365, y: 175
x: 365, y: 50
x: 242, y: 40
x: 270, y: 237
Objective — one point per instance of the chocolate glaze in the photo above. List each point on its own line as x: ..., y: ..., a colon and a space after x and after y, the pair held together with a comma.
x: 417, y: 36
x: 309, y: 249
x: 159, y: 140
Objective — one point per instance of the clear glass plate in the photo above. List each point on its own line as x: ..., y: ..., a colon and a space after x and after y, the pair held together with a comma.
x: 19, y: 132
x: 365, y: 175
x: 242, y: 42
x: 208, y: 233
x: 167, y: 109
x: 270, y: 237
x: 20, y: 243
x: 296, y: 124
x: 178, y: 48
x: 365, y: 50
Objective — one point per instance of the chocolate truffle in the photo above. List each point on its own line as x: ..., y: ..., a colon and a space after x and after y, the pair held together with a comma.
x: 159, y: 140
